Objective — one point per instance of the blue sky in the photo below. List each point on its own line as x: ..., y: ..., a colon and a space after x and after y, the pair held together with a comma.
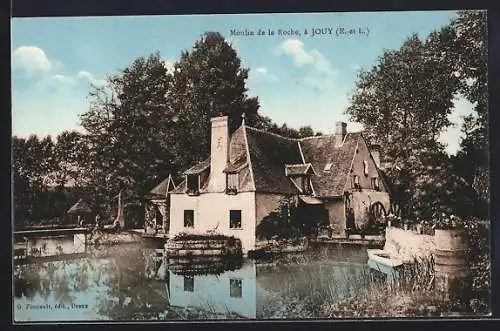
x: 300, y: 80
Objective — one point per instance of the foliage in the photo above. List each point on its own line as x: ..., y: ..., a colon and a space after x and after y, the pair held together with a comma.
x: 448, y: 222
x: 149, y: 121
x: 404, y: 102
x: 290, y: 221
x: 208, y: 81
x: 471, y: 56
x: 193, y: 236
x: 266, y: 124
x: 47, y: 178
x: 127, y: 130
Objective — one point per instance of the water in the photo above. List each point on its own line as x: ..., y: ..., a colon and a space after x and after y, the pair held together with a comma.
x: 131, y: 282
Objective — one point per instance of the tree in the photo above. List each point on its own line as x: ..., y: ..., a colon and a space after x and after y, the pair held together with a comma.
x: 265, y: 123
x: 33, y: 162
x: 209, y: 81
x: 129, y: 130
x: 404, y: 102
x: 471, y: 58
x: 70, y: 156
x: 148, y: 122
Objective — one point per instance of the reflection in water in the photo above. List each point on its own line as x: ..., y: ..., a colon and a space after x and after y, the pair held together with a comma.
x: 132, y: 282
x: 231, y: 293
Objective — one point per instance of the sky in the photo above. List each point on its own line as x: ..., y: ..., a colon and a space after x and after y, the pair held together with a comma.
x: 299, y: 79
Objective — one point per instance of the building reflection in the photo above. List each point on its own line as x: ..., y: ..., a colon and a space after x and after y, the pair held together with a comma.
x: 221, y: 287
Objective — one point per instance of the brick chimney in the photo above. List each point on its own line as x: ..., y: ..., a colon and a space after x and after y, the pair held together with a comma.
x: 340, y: 133
x: 219, y: 147
x: 375, y: 152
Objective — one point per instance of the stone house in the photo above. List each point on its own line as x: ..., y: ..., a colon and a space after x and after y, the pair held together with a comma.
x: 249, y: 172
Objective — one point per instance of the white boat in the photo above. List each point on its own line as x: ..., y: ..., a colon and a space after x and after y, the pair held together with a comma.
x: 384, y: 262
x: 382, y: 257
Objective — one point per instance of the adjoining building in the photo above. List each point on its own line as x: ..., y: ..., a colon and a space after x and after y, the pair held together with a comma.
x: 249, y: 172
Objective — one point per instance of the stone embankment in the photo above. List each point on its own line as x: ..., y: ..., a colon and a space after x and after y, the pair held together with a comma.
x: 408, y: 245
x: 187, y: 246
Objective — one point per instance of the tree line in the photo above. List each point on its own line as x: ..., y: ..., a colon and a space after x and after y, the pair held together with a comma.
x: 150, y: 120
x: 404, y: 103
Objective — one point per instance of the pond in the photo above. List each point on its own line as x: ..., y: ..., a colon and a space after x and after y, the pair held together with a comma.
x: 134, y: 282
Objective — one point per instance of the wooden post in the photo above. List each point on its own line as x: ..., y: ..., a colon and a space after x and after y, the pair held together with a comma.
x: 119, y: 216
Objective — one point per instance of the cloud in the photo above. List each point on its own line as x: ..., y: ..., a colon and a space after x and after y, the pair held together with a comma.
x: 262, y: 71
x: 30, y: 59
x: 262, y: 74
x: 88, y: 76
x: 321, y: 75
x: 302, y: 57
x: 62, y: 79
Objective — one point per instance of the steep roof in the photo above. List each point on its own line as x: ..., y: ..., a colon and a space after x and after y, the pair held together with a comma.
x: 264, y: 160
x: 269, y: 153
x: 320, y: 151
x: 196, y: 169
x: 161, y: 189
x: 238, y: 164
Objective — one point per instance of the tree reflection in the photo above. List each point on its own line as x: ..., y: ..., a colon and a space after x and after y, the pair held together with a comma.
x: 127, y: 282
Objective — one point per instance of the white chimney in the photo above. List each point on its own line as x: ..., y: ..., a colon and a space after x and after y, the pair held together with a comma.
x: 219, y: 147
x: 340, y: 133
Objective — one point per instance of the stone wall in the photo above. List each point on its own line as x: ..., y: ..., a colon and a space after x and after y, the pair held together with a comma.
x: 336, y: 215
x: 265, y: 203
x: 408, y: 244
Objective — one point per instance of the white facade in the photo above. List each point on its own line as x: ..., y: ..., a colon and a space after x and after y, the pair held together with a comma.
x: 211, y: 213
x: 232, y: 291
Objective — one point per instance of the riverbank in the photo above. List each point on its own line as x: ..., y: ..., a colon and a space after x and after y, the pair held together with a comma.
x: 99, y: 237
x: 414, y: 293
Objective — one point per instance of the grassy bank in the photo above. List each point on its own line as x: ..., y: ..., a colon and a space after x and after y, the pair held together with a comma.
x: 413, y: 294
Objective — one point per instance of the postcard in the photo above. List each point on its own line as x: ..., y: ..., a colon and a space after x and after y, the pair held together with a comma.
x: 250, y: 167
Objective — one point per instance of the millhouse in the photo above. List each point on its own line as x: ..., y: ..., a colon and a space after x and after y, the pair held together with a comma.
x: 336, y: 177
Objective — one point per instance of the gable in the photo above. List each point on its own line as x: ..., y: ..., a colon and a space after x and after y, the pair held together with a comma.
x: 161, y: 190
x: 362, y: 156
x: 320, y: 151
x: 299, y: 169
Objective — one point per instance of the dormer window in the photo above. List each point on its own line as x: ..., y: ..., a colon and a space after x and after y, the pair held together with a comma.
x: 300, y: 175
x: 328, y: 167
x: 193, y: 184
x: 231, y: 183
x: 303, y: 183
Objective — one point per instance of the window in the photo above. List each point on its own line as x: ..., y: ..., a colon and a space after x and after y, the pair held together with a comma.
x: 375, y: 183
x: 235, y: 219
x: 355, y: 181
x: 189, y: 218
x: 365, y: 167
x: 188, y: 284
x: 235, y: 288
x: 232, y: 183
x: 328, y: 166
x: 193, y: 184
